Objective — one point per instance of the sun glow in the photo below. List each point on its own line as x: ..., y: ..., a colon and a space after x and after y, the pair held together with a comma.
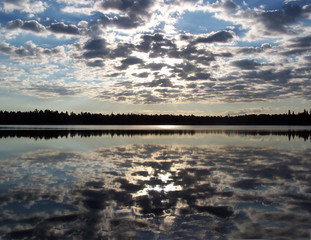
x: 168, y: 127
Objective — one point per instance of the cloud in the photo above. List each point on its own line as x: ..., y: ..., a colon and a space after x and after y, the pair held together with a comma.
x: 31, y: 25
x: 131, y: 60
x: 30, y: 50
x: 122, y: 50
x: 96, y: 48
x: 96, y: 63
x: 246, y: 64
x: 218, y: 37
x: 230, y: 5
x: 301, y: 42
x: 127, y: 14
x: 155, y: 66
x: 199, y: 76
x: 159, y: 83
x: 137, y: 42
x: 124, y: 22
x: 139, y: 7
x: 157, y: 45
x: 63, y: 28
x: 5, y: 48
x: 259, y: 23
x: 278, y: 20
x: 95, y: 44
x: 270, y: 75
x: 49, y: 90
x: 36, y: 27
x: 254, y: 50
x: 28, y: 6
x: 147, y: 97
x: 142, y: 75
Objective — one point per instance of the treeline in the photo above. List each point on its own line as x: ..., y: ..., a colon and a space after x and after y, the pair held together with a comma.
x: 49, y: 117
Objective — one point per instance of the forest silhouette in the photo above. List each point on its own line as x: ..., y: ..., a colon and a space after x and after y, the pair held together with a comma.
x: 85, y: 133
x: 49, y: 117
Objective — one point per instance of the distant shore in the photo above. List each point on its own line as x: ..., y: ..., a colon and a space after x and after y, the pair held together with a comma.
x: 48, y: 117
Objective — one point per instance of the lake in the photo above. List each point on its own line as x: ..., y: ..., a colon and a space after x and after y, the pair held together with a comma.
x: 155, y: 182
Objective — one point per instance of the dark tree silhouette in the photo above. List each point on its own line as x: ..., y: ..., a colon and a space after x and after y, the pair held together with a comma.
x: 49, y: 117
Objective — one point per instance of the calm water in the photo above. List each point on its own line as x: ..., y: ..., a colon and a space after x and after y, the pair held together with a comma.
x: 155, y: 182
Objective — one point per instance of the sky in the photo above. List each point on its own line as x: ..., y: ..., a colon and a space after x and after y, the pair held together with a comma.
x: 207, y: 57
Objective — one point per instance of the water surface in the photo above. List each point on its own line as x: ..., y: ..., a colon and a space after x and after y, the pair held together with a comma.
x: 159, y: 182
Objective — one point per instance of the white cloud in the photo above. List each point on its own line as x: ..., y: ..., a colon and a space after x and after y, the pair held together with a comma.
x: 28, y: 6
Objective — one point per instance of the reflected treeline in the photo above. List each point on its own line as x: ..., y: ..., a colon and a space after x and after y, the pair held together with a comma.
x: 85, y: 118
x: 65, y: 133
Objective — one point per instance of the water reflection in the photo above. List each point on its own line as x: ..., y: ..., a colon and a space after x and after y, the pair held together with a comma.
x: 164, y: 130
x: 156, y: 191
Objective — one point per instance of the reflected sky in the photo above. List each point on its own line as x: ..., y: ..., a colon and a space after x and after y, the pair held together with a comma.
x: 144, y: 189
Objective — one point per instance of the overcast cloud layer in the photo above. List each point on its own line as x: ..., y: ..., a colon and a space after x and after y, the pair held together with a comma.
x: 147, y: 52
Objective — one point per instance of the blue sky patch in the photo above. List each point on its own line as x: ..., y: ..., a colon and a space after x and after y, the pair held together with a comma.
x: 200, y: 22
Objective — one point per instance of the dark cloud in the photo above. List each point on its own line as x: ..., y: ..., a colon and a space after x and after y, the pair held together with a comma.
x: 124, y: 22
x: 5, y: 48
x: 116, y: 75
x: 142, y: 75
x: 135, y: 14
x: 186, y: 67
x: 219, y: 37
x: 279, y: 20
x: 199, y: 76
x: 205, y: 60
x: 270, y: 75
x: 96, y: 63
x: 246, y: 64
x: 47, y: 90
x: 229, y: 5
x: 29, y: 50
x: 168, y: 93
x: 63, y: 28
x: 127, y: 22
x: 192, y: 85
x: 251, y: 50
x: 308, y: 58
x: 158, y: 83
x: 130, y: 187
x: 301, y: 42
x: 34, y: 26
x: 147, y: 97
x: 125, y: 63
x: 96, y: 48
x: 219, y: 211
x: 155, y: 66
x: 157, y: 45
x: 139, y: 7
x: 15, y: 2
x: 191, y: 72
x: 31, y: 25
x: 247, y: 184
x: 123, y: 50
x: 95, y: 44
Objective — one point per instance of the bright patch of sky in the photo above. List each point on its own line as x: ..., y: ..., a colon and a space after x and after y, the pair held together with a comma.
x: 200, y: 22
x: 257, y: 43
x: 49, y: 41
x: 56, y: 13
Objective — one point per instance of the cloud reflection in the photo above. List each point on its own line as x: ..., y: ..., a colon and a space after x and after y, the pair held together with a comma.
x: 152, y: 191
